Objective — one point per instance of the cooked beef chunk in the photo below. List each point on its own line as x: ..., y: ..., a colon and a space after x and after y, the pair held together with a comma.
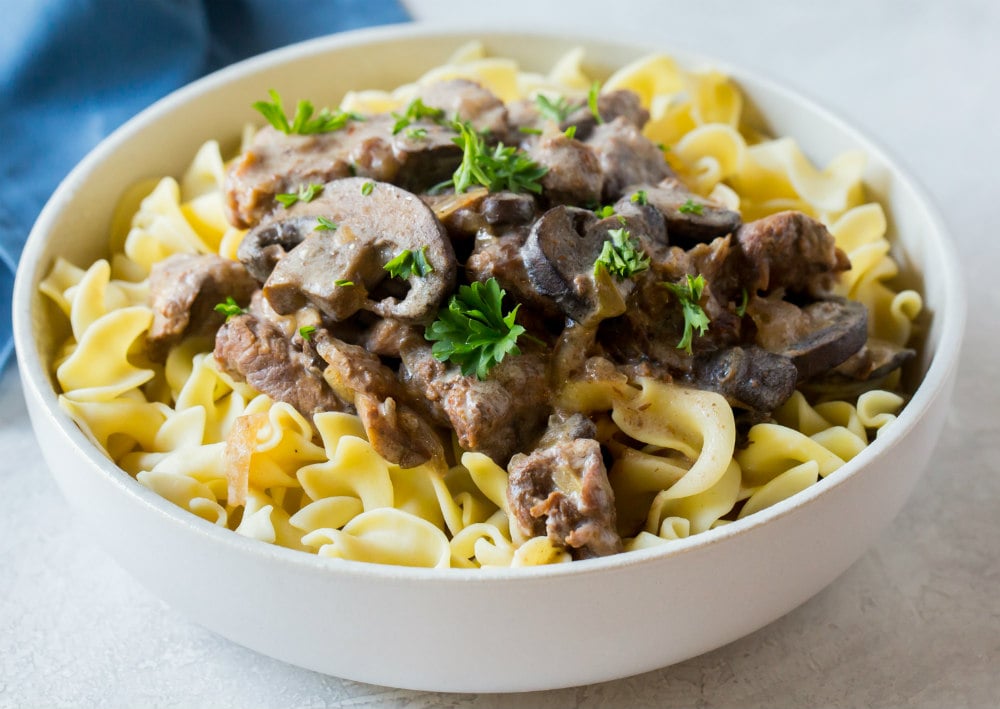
x: 387, y: 336
x: 276, y: 163
x: 254, y: 350
x: 690, y: 219
x: 792, y: 251
x: 574, y: 173
x: 626, y: 157
x: 184, y: 290
x: 561, y: 490
x: 373, y: 229
x: 611, y: 105
x: 467, y: 101
x: 500, y: 257
x: 395, y: 430
x: 750, y: 378
x: 497, y: 416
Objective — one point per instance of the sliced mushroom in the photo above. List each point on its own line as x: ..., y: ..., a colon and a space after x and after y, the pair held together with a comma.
x: 750, y: 378
x: 339, y: 270
x: 690, y: 219
x: 866, y: 369
x: 269, y: 242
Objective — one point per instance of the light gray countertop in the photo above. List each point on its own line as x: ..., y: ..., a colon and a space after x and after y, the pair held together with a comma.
x: 914, y: 623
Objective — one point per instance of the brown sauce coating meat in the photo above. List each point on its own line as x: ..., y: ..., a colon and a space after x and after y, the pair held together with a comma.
x: 329, y: 328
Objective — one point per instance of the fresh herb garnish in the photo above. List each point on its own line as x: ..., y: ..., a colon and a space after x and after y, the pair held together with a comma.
x: 557, y: 110
x: 608, y: 210
x: 415, y: 111
x: 306, y: 193
x: 691, y: 207
x: 663, y: 147
x: 324, y: 224
x: 595, y: 89
x: 689, y: 294
x: 503, y: 168
x: 416, y: 133
x: 366, y: 189
x: 621, y: 256
x: 407, y: 263
x: 530, y: 130
x: 343, y: 283
x: 303, y: 123
x: 640, y: 197
x: 473, y: 332
x: 230, y: 308
x: 306, y: 331
x: 741, y: 309
x: 570, y: 132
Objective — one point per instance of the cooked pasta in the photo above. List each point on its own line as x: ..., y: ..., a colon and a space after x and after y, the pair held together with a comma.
x: 239, y: 459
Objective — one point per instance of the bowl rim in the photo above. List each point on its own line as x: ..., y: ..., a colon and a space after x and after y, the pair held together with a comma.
x: 36, y: 379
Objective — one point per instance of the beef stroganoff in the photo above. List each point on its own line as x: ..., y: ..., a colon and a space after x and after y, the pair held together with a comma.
x: 491, y: 318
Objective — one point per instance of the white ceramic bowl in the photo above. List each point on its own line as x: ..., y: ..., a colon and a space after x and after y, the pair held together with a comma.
x: 488, y: 630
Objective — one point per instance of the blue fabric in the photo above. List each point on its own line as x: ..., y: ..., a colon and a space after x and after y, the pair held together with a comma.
x: 71, y: 71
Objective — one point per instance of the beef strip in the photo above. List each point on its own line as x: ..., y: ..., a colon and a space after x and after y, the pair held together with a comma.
x: 496, y: 416
x: 561, y: 490
x: 184, y: 290
x: 574, y: 173
x: 254, y: 350
x: 467, y: 101
x: 626, y: 157
x: 790, y: 250
x: 395, y: 429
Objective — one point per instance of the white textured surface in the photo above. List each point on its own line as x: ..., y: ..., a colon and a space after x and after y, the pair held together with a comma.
x: 915, y: 623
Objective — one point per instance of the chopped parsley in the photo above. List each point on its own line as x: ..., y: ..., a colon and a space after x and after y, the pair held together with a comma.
x: 306, y: 331
x: 473, y: 331
x: 557, y: 110
x: 570, y: 132
x: 407, y: 263
x: 741, y: 309
x: 621, y: 256
x: 530, y: 130
x: 416, y: 133
x: 324, y: 224
x: 689, y: 295
x: 608, y: 210
x: 502, y: 168
x: 366, y: 189
x: 343, y: 283
x: 230, y: 308
x: 595, y: 90
x: 640, y: 197
x: 691, y: 207
x: 306, y: 193
x: 415, y: 111
x: 303, y: 123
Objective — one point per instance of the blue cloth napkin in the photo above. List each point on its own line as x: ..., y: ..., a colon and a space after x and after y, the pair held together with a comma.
x: 71, y: 71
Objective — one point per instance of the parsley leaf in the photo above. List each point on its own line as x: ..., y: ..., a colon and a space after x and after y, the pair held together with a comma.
x: 570, y: 132
x: 230, y: 308
x: 324, y: 224
x: 407, y: 263
x: 306, y: 331
x: 530, y: 130
x: 640, y: 197
x: 303, y: 123
x: 415, y: 111
x: 416, y: 133
x: 472, y: 330
x: 691, y: 207
x: 366, y: 189
x: 503, y: 168
x: 306, y: 193
x: 608, y: 210
x: 343, y: 283
x: 741, y: 309
x: 557, y: 110
x: 621, y: 256
x: 595, y: 89
x: 689, y: 294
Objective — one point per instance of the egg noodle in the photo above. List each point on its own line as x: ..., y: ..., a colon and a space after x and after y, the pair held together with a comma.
x: 181, y: 428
